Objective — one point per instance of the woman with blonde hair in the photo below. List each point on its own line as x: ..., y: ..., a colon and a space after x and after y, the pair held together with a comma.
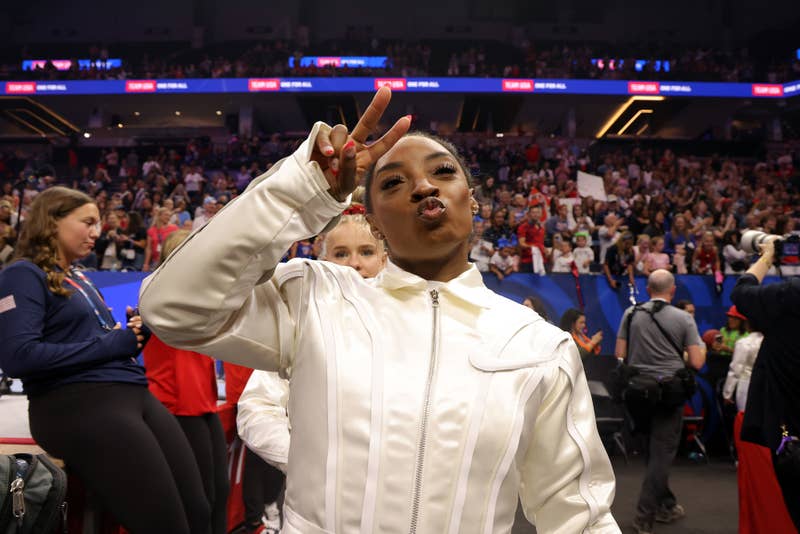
x: 88, y: 398
x: 156, y: 234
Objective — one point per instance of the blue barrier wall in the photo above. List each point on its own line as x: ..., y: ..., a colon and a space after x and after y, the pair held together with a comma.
x: 603, y: 305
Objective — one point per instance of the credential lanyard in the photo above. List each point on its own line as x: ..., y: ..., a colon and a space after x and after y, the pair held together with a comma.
x: 100, y: 319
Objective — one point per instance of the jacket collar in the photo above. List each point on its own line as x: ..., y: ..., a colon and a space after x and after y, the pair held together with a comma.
x: 468, y: 286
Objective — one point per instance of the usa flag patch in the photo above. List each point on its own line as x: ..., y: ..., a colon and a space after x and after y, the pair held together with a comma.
x: 7, y: 304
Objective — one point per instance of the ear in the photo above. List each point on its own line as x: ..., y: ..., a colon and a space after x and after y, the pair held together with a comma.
x: 473, y: 204
x: 373, y: 227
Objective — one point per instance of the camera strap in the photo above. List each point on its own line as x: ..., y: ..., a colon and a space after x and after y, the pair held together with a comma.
x: 652, y: 314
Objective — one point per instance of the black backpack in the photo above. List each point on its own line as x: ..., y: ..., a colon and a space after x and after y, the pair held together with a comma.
x: 32, y: 493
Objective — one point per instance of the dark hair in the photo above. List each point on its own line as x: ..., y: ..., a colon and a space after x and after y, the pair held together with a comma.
x: 727, y: 238
x: 683, y: 304
x: 450, y: 147
x: 38, y: 241
x: 538, y: 306
x: 135, y: 222
x: 569, y: 319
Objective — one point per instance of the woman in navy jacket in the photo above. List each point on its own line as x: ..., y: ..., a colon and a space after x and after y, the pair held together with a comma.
x: 88, y: 397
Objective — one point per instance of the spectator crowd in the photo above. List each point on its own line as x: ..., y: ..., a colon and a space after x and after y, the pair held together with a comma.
x: 525, y: 59
x: 661, y: 210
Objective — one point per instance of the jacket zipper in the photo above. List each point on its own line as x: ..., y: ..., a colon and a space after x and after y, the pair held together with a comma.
x: 426, y: 409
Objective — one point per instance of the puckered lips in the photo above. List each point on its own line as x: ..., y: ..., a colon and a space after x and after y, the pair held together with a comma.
x: 431, y: 210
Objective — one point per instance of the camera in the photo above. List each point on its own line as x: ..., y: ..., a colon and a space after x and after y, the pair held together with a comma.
x: 788, y: 245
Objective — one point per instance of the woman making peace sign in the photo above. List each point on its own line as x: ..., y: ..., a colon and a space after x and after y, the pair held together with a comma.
x: 420, y: 400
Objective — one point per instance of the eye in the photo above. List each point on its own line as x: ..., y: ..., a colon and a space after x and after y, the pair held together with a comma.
x: 339, y: 254
x: 368, y: 252
x: 390, y: 182
x: 445, y: 168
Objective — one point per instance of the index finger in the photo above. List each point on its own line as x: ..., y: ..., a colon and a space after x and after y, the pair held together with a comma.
x: 372, y: 115
x: 382, y: 145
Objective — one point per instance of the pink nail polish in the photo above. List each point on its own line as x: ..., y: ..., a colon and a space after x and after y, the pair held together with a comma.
x: 349, y: 149
x: 328, y: 151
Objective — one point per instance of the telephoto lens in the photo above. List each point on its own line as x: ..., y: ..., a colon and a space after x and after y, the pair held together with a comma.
x: 751, y: 240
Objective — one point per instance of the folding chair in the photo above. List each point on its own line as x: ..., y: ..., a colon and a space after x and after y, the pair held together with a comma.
x: 610, y: 420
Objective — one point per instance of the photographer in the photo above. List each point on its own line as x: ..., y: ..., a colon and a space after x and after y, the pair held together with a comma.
x: 653, y: 337
x: 774, y: 397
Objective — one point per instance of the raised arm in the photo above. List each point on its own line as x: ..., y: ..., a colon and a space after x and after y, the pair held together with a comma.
x: 764, y: 304
x: 219, y: 292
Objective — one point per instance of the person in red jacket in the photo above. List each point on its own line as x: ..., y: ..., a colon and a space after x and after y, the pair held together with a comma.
x: 185, y: 383
x: 531, y: 236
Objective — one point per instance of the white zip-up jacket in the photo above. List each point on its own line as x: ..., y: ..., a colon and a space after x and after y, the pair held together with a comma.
x: 745, y: 352
x: 262, y: 420
x: 415, y: 407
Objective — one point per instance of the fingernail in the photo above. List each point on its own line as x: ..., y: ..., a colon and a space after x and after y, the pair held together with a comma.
x: 349, y: 148
x: 409, y: 118
x: 335, y: 165
x: 328, y: 150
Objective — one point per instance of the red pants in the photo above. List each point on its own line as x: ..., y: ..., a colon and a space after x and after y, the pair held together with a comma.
x: 761, y: 506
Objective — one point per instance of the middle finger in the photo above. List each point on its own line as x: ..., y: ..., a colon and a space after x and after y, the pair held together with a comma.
x: 338, y: 137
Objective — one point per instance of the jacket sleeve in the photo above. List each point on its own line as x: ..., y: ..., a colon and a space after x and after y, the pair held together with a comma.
x: 262, y: 419
x: 219, y: 293
x: 25, y: 353
x: 765, y: 305
x: 735, y: 369
x: 567, y: 484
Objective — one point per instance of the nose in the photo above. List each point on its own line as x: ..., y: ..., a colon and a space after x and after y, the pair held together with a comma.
x: 355, y: 263
x: 423, y: 189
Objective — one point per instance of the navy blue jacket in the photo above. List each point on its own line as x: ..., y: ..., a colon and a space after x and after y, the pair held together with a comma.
x: 774, y: 394
x: 48, y: 340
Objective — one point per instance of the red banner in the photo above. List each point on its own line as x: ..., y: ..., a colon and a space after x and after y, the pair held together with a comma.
x: 644, y: 88
x: 20, y: 87
x: 518, y: 85
x: 767, y: 89
x: 140, y: 86
x: 395, y: 84
x: 264, y: 84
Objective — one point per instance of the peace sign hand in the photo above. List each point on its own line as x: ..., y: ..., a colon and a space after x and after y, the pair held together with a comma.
x: 345, y: 158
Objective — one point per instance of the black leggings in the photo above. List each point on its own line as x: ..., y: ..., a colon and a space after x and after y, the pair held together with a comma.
x: 128, y: 450
x: 207, y: 440
x: 261, y: 485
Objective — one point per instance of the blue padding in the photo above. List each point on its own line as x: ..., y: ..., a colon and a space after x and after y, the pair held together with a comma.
x: 603, y: 305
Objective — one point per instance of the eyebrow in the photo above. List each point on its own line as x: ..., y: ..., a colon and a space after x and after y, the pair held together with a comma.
x: 397, y: 164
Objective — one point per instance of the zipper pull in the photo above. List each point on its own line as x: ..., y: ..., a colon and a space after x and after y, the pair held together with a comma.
x: 435, y: 297
x: 18, y: 499
x: 63, y: 511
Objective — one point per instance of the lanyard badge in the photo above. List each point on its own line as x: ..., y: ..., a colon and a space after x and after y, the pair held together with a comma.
x: 104, y: 324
